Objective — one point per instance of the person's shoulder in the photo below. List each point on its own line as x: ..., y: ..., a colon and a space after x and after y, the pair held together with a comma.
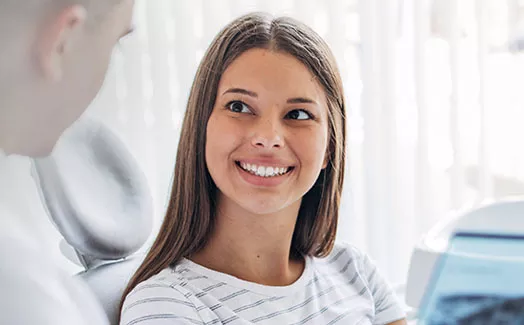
x: 349, y: 249
x: 28, y: 278
x: 343, y: 253
x: 12, y: 227
x: 167, y: 280
x: 163, y: 296
x: 344, y: 258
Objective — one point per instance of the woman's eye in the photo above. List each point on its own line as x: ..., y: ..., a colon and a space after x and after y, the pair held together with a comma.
x: 299, y: 114
x: 238, y: 107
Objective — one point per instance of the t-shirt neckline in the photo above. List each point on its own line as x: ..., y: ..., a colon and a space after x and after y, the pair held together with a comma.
x: 265, y: 290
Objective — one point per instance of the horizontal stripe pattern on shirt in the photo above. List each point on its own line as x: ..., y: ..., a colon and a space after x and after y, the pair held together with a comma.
x: 343, y: 288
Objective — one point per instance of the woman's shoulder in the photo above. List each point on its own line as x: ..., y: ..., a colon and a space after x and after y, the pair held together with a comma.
x: 158, y: 284
x: 157, y: 297
x: 348, y: 248
x: 345, y: 260
x: 343, y: 254
x: 170, y: 279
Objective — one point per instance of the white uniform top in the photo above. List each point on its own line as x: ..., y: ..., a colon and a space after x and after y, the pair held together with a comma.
x: 32, y: 289
x: 343, y: 288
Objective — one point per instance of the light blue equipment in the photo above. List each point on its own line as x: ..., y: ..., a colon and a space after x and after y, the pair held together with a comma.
x: 498, y: 219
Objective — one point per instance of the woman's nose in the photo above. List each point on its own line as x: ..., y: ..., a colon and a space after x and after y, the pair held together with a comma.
x: 267, y: 135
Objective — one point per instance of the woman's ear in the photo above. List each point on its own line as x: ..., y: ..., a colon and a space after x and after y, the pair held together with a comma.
x: 56, y: 40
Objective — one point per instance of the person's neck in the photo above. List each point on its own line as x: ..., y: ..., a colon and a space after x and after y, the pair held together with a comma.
x: 10, y: 125
x: 5, y: 142
x: 3, y: 156
x: 4, y: 136
x: 254, y: 248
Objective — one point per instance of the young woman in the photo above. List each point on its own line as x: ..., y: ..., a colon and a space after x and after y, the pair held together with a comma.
x: 249, y: 233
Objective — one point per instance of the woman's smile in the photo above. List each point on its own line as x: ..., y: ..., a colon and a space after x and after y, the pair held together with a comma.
x: 263, y: 174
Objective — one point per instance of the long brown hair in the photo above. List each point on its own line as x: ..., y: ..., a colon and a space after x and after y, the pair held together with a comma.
x: 190, y: 215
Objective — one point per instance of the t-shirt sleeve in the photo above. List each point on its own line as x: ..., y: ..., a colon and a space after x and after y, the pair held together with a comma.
x: 152, y: 303
x: 388, y: 307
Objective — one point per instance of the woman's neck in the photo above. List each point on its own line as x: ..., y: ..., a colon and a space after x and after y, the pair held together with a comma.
x: 254, y: 248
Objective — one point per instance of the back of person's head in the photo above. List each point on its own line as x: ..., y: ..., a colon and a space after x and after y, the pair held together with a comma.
x: 54, y: 57
x: 190, y: 215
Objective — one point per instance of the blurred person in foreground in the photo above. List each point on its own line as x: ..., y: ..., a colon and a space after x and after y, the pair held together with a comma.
x: 53, y: 60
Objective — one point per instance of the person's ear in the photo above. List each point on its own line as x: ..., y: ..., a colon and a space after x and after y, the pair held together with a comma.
x: 56, y: 40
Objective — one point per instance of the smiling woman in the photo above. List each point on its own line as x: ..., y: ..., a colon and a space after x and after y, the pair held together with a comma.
x: 250, y: 228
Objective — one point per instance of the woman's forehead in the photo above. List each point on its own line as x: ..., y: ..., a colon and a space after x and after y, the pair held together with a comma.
x: 263, y: 71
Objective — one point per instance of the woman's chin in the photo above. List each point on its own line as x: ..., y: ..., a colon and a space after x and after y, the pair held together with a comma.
x: 261, y: 209
x: 264, y: 206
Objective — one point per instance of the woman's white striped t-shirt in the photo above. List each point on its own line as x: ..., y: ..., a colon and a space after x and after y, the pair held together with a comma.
x: 342, y: 288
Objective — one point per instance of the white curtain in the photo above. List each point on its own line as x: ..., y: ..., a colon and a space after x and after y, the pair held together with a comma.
x: 434, y: 99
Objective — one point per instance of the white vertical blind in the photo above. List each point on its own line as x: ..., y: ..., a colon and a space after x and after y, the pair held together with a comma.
x: 388, y: 35
x: 457, y: 168
x: 484, y: 163
x: 423, y: 117
x: 422, y: 198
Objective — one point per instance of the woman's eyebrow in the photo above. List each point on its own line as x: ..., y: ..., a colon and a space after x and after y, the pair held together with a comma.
x: 294, y: 100
x: 301, y: 100
x: 241, y: 91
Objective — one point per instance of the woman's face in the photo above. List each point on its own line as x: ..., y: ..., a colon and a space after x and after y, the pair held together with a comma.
x: 268, y: 133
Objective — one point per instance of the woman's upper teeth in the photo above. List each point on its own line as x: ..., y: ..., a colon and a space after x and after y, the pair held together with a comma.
x: 264, y: 170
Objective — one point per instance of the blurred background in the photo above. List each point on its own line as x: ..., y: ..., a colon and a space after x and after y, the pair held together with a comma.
x: 434, y: 92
